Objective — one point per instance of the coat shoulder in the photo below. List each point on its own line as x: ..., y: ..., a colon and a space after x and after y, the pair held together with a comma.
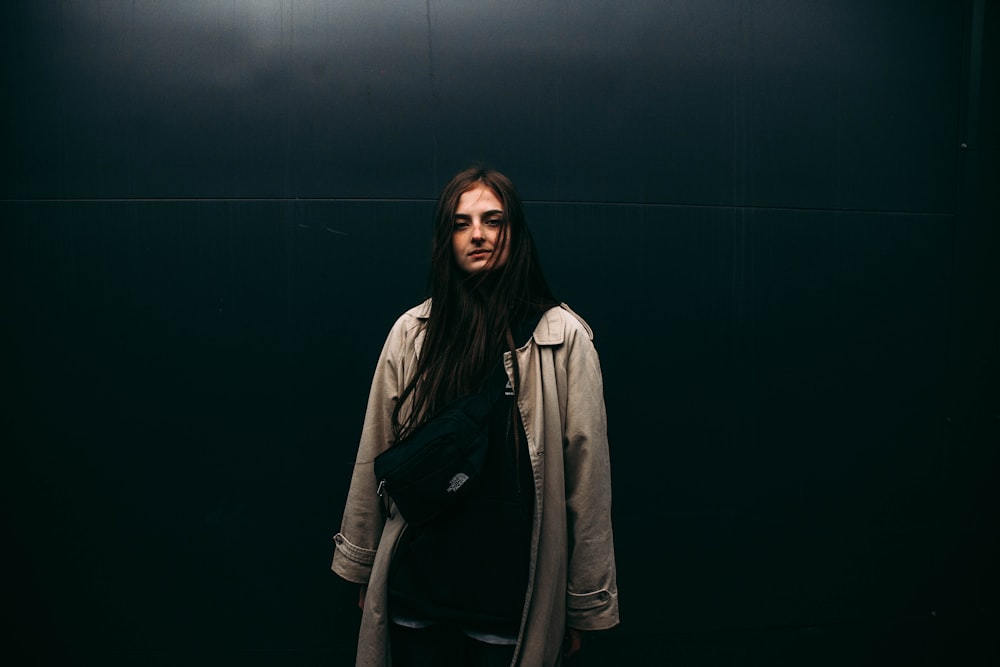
x: 413, y: 318
x: 558, y: 323
x: 575, y: 321
x: 421, y: 311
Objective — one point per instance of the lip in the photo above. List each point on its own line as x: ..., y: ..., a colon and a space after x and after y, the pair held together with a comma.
x: 479, y: 253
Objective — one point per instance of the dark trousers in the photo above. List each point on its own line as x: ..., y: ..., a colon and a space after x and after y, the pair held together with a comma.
x: 444, y: 646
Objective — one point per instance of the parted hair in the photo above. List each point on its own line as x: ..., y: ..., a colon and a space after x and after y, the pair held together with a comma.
x: 472, y: 315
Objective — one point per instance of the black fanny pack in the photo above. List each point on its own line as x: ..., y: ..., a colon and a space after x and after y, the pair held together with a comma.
x: 441, y: 462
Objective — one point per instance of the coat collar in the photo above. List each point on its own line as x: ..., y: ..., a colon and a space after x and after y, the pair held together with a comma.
x: 551, y: 329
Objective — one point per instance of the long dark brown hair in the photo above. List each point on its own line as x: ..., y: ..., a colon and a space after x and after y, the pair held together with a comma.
x: 472, y: 315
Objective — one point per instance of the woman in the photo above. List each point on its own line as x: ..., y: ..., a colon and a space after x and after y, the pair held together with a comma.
x: 525, y: 564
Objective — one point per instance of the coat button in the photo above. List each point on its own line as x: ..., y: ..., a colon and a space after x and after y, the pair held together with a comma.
x: 338, y: 538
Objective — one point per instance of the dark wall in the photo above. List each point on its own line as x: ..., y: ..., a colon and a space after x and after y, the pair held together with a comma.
x: 778, y: 216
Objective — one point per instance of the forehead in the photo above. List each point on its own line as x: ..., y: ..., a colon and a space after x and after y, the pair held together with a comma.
x: 477, y: 199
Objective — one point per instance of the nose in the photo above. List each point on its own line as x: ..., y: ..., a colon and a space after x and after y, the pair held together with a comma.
x: 478, y: 232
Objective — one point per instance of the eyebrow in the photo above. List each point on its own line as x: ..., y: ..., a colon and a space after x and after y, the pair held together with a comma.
x: 466, y: 216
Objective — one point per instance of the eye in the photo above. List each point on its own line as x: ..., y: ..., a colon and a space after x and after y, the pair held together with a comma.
x: 494, y: 222
x: 461, y: 224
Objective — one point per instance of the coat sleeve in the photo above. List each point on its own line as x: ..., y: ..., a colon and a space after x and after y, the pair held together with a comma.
x: 364, y: 511
x: 592, y: 590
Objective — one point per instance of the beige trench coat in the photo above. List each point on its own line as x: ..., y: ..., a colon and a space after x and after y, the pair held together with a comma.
x: 572, y: 567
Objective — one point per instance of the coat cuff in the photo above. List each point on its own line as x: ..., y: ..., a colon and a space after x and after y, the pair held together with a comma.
x: 596, y: 610
x: 350, y: 561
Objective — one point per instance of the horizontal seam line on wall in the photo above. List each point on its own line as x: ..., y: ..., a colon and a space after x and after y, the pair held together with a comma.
x: 538, y: 202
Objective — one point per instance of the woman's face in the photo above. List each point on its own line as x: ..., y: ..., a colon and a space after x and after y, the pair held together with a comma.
x: 479, y: 218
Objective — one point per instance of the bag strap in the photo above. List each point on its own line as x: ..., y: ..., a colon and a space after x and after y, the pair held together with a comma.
x: 495, y: 390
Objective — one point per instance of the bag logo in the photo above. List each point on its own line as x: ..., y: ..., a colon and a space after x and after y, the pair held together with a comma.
x: 456, y: 482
